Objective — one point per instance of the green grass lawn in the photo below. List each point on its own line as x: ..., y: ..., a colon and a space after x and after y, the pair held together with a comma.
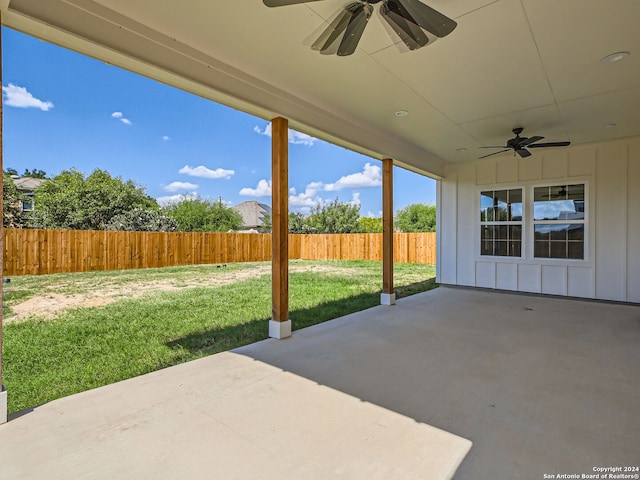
x: 84, y: 348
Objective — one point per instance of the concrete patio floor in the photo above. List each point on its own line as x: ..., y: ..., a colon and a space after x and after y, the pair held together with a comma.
x: 503, y: 386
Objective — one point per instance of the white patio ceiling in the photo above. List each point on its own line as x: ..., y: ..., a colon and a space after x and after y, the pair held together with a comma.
x: 531, y: 63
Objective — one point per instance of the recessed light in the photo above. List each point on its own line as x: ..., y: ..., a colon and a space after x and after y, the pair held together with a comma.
x: 461, y: 149
x: 615, y: 57
x: 402, y: 113
x: 610, y: 125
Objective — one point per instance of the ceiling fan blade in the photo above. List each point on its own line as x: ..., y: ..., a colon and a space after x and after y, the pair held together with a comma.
x: 551, y: 144
x: 352, y: 35
x: 494, y: 153
x: 528, y: 141
x: 410, y: 33
x: 329, y: 40
x: 498, y: 146
x: 523, y: 152
x: 282, y: 3
x: 426, y: 17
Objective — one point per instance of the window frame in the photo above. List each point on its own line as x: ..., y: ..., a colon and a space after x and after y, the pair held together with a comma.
x: 521, y: 223
x: 527, y: 224
x: 28, y: 200
x: 583, y: 221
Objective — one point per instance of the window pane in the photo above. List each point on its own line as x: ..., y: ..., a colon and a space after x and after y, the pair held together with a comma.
x: 486, y: 247
x: 541, y: 249
x: 575, y: 250
x: 558, y: 250
x: 514, y: 206
x: 575, y: 232
x: 502, y: 231
x: 515, y: 249
x: 486, y: 206
x: 501, y: 248
x: 541, y: 194
x: 559, y: 232
x: 542, y: 231
x: 500, y: 206
x: 515, y: 232
x: 575, y: 192
x: 486, y: 232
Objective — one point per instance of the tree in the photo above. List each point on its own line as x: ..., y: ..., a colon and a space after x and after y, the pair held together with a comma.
x: 417, y: 217
x: 370, y: 225
x: 11, y: 171
x: 298, y: 223
x: 141, y: 220
x: 266, y: 224
x: 336, y: 217
x: 199, y: 215
x: 11, y: 196
x: 72, y: 201
x: 34, y: 173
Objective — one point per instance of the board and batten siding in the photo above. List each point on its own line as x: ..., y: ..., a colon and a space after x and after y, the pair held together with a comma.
x: 611, y: 268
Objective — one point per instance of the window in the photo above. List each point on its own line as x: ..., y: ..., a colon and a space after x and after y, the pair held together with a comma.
x: 26, y: 205
x: 501, y: 223
x: 558, y: 221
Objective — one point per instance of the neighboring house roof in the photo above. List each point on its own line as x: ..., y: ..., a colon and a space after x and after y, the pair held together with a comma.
x: 253, y: 213
x: 27, y: 184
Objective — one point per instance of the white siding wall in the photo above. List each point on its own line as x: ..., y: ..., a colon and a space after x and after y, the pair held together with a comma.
x: 611, y: 269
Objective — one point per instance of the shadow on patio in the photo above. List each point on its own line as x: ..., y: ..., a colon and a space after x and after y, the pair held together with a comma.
x: 539, y: 385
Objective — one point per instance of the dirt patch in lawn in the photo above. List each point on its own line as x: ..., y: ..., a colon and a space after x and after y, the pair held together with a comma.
x: 51, y: 304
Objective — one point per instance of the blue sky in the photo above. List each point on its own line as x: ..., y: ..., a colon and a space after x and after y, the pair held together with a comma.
x: 64, y: 110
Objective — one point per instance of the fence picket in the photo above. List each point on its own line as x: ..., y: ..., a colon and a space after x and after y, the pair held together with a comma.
x: 34, y: 252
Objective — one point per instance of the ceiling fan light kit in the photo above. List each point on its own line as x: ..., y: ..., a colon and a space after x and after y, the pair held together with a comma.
x: 520, y: 144
x: 410, y: 20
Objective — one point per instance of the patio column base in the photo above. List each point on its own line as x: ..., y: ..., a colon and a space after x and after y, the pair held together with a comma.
x: 3, y: 405
x: 387, y: 299
x: 279, y: 330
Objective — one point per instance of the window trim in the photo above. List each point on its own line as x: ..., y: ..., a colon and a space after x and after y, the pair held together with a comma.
x: 527, y: 249
x: 521, y: 222
x: 532, y: 223
x: 29, y: 201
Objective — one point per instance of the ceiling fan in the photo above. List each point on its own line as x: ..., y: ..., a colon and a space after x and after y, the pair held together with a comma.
x: 409, y: 19
x: 520, y: 144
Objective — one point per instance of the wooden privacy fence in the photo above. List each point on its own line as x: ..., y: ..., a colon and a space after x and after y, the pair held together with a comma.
x: 38, y: 252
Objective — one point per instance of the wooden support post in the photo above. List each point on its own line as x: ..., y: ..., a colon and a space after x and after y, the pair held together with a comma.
x: 3, y: 393
x: 388, y: 297
x: 280, y: 325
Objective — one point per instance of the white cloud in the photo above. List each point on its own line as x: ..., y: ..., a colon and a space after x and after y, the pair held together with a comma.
x: 355, y: 199
x: 371, y: 176
x: 177, y: 186
x: 121, y: 117
x: 262, y: 190
x: 308, y: 198
x: 165, y: 138
x: 164, y: 201
x: 205, y: 172
x: 295, y: 138
x: 19, y: 97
